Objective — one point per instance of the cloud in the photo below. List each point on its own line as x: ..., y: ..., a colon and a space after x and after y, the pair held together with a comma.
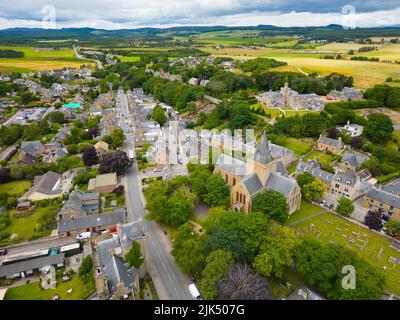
x: 115, y: 14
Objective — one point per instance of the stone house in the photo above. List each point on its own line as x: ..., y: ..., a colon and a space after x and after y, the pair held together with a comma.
x: 328, y: 144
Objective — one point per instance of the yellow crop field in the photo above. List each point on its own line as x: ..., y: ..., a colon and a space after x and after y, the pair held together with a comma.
x: 342, y: 47
x: 386, y: 53
x: 365, y: 73
x: 36, y: 59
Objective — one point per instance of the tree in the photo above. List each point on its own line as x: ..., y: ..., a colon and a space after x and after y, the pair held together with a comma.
x: 179, y: 207
x: 5, y: 175
x: 277, y: 252
x: 198, y: 180
x: 272, y: 204
x: 314, y: 190
x: 345, y: 207
x: 134, y: 256
x: 118, y: 138
x: 217, y: 266
x: 188, y: 250
x: 242, y: 284
x: 116, y: 161
x: 158, y: 115
x: 228, y: 240
x: 56, y: 117
x: 17, y: 172
x: 392, y: 227
x: 374, y: 221
x: 322, y: 265
x: 217, y: 191
x: 89, y: 156
x: 304, y: 178
x: 86, y: 267
x: 72, y: 149
x: 379, y: 128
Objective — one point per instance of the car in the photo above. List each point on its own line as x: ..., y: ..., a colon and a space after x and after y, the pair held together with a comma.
x: 322, y: 202
x: 329, y: 205
x: 3, y: 252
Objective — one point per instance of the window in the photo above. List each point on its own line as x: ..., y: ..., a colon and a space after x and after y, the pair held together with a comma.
x: 244, y: 199
x: 234, y: 181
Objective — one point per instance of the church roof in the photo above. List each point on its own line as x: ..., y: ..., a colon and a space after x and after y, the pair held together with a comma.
x: 262, y: 154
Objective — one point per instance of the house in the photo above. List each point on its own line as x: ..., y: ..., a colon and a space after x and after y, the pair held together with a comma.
x: 90, y: 223
x: 80, y: 204
x: 328, y: 144
x: 35, y: 148
x: 304, y: 293
x: 393, y: 188
x: 383, y: 202
x: 193, y: 81
x: 103, y: 183
x: 24, y: 268
x: 47, y: 186
x: 24, y: 206
x: 101, y: 148
x: 351, y: 160
x: 353, y: 130
x: 345, y: 95
x: 27, y: 158
x: 249, y: 179
x: 115, y: 279
x: 314, y: 169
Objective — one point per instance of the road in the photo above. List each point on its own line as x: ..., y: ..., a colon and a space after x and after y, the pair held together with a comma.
x: 79, y: 56
x: 170, y: 282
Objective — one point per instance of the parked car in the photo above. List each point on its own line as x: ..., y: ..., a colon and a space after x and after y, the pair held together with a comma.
x: 329, y: 205
x: 83, y: 236
x: 3, y: 252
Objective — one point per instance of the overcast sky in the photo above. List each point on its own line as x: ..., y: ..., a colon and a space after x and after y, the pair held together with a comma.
x: 117, y: 14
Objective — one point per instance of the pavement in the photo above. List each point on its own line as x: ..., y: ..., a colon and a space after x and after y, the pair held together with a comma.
x: 170, y: 282
x: 359, y: 212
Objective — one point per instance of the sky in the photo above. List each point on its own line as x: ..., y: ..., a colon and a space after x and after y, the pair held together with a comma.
x: 119, y: 14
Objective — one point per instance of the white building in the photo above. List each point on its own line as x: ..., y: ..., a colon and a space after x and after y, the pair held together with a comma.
x: 353, y: 130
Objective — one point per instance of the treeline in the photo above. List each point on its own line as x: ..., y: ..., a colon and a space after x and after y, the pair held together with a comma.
x: 11, y: 54
x: 301, y: 83
x: 386, y: 95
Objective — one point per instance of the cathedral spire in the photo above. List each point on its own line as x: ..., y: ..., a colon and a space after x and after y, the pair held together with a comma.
x: 263, y: 154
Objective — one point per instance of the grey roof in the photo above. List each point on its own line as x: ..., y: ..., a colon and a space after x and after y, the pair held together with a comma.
x: 115, y: 267
x: 77, y: 201
x: 329, y: 141
x: 252, y: 184
x: 262, y: 154
x: 45, y: 184
x: 393, y: 188
x: 354, y: 159
x: 384, y: 197
x: 280, y: 183
x: 314, y: 170
x: 27, y: 158
x: 129, y: 232
x: 308, y: 294
x: 232, y: 165
x: 349, y: 177
x: 96, y: 220
x: 10, y: 269
x: 32, y: 147
x: 280, y: 168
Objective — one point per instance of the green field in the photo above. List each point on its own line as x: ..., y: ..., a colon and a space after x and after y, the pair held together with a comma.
x: 15, y: 188
x: 322, y: 157
x: 298, y: 146
x: 330, y: 228
x: 306, y: 209
x: 33, y: 291
x: 35, y: 60
x: 24, y: 225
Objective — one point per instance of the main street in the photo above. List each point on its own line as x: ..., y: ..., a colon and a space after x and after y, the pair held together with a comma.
x: 170, y: 282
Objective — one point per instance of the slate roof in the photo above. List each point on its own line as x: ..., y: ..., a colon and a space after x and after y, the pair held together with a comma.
x: 392, y: 188
x: 279, y: 183
x: 129, y: 232
x: 45, y: 184
x: 349, y: 177
x: 77, y: 201
x: 314, y: 170
x: 10, y: 269
x: 354, y: 159
x: 91, y: 221
x: 329, y: 141
x: 32, y: 147
x: 252, y: 184
x: 384, y: 197
x: 114, y: 267
x: 232, y: 165
x: 262, y: 154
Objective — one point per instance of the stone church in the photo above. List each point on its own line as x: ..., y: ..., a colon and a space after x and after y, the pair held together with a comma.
x: 247, y: 179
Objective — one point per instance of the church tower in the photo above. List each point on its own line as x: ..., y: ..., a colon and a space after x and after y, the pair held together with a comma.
x: 264, y: 163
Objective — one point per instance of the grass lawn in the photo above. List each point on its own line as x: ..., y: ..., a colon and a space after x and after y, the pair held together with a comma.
x: 298, y: 146
x: 15, y: 188
x: 330, y: 228
x: 306, y: 209
x: 33, y: 291
x: 25, y: 226
x: 322, y: 157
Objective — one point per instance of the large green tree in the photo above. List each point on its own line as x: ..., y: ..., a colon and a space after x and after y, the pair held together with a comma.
x: 314, y: 190
x: 345, y: 207
x: 379, y: 128
x: 272, y: 204
x: 158, y: 115
x: 217, y: 191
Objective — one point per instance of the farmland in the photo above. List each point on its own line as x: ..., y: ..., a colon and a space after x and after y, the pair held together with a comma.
x: 36, y: 59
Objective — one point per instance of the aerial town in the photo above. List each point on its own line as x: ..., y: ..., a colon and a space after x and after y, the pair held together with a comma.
x: 200, y: 163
